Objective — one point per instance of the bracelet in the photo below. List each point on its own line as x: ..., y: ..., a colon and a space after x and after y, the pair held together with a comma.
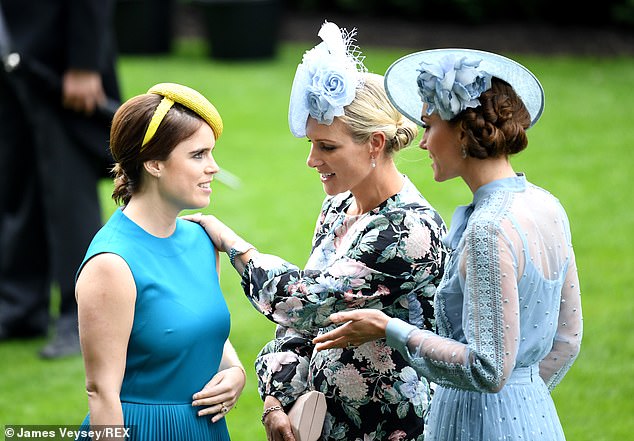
x: 239, y: 248
x: 268, y: 410
x: 232, y: 256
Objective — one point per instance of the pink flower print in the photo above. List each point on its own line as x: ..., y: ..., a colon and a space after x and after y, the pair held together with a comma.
x: 418, y: 242
x: 382, y: 290
x: 349, y: 268
x: 278, y: 360
x: 350, y: 383
x: 298, y: 287
x: 379, y: 356
x: 354, y: 300
x: 397, y: 435
x: 282, y: 310
x: 340, y: 233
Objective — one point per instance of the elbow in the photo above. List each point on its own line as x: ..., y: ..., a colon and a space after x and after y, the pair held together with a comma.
x: 490, y: 377
x: 575, y: 348
x: 494, y: 385
x: 93, y: 391
x: 570, y: 345
x: 91, y: 388
x: 100, y: 393
x: 494, y: 372
x: 576, y: 344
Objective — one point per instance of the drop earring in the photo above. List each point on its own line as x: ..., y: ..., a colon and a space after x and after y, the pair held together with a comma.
x: 464, y: 151
x: 372, y: 162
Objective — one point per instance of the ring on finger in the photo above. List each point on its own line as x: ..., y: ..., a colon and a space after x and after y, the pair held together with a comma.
x: 224, y: 408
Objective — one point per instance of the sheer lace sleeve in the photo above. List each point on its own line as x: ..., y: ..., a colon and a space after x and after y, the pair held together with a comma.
x: 567, y: 341
x: 488, y: 274
x: 511, y: 300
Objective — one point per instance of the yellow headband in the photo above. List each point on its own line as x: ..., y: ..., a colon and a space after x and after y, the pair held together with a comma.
x: 164, y: 106
x: 188, y: 97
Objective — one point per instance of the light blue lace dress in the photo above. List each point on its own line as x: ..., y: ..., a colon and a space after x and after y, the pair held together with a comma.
x: 508, y: 316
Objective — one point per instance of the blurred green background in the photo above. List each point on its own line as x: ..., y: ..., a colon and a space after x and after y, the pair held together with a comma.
x: 581, y: 150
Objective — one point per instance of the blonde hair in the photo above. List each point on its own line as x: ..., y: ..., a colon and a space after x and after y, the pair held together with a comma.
x: 371, y: 111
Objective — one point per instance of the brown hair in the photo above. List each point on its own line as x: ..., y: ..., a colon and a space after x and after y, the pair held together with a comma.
x: 126, y: 134
x: 372, y: 111
x: 498, y: 126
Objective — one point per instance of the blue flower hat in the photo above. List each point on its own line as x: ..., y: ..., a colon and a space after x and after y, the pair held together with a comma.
x: 326, y: 80
x: 451, y: 80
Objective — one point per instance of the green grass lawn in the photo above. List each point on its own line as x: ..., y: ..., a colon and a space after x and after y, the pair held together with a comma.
x: 581, y: 150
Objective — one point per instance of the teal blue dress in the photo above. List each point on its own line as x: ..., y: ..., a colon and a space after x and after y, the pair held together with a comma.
x: 181, y: 322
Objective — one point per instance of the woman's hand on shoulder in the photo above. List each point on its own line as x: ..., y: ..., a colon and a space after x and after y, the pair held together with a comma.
x: 221, y: 235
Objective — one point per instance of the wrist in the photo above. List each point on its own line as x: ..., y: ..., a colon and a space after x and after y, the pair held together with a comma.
x: 271, y: 400
x: 268, y: 410
x: 244, y: 373
x: 238, y: 248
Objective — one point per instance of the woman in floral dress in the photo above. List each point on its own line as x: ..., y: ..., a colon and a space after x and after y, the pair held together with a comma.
x: 376, y: 245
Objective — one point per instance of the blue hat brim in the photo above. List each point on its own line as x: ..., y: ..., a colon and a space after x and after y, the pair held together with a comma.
x: 402, y: 88
x: 298, y: 111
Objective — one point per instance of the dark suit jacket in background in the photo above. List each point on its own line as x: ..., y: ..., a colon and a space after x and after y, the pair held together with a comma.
x: 50, y: 158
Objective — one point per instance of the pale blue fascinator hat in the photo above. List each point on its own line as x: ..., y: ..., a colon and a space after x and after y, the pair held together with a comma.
x: 326, y: 80
x: 451, y: 80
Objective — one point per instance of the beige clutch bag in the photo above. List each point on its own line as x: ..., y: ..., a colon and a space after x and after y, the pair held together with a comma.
x: 307, y: 416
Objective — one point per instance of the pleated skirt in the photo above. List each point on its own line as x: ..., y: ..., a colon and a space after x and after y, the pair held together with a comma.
x: 167, y: 422
x: 522, y: 411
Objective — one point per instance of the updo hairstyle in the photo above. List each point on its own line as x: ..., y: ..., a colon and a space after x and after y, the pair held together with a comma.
x: 498, y: 126
x: 372, y: 111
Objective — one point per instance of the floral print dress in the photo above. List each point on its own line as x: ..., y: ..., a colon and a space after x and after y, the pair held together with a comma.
x: 390, y: 258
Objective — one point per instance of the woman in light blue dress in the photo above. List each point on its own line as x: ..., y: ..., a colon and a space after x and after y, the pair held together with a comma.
x: 508, y: 310
x: 153, y: 322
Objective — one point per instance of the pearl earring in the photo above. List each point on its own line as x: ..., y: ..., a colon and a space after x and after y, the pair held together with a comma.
x: 372, y: 162
x: 464, y: 151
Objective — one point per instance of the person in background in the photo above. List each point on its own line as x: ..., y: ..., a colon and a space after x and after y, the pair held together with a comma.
x: 153, y: 322
x: 508, y: 309
x: 57, y: 92
x: 376, y: 244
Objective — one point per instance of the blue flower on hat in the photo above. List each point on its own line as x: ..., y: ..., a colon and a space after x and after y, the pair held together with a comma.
x: 451, y: 85
x: 326, y: 80
x: 332, y: 87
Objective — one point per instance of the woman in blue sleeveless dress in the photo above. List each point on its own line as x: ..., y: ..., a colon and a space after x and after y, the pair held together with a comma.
x: 152, y: 320
x: 508, y: 309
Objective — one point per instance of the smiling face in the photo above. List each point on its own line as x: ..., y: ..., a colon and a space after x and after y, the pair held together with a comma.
x: 186, y: 174
x: 342, y: 164
x: 442, y: 141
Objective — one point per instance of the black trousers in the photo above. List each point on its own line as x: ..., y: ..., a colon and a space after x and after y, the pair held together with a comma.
x: 49, y: 208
